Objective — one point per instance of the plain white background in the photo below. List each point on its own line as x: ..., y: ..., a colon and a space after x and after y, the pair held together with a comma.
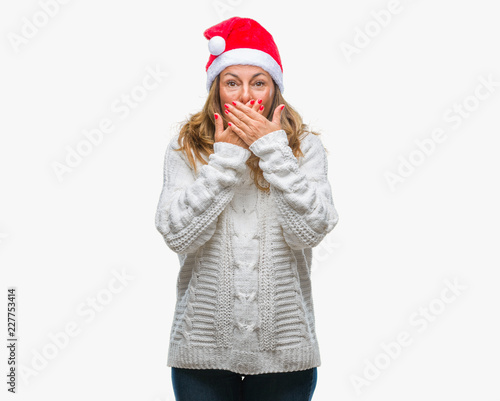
x: 380, y: 274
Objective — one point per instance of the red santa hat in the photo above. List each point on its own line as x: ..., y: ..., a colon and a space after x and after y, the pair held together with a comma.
x: 242, y: 41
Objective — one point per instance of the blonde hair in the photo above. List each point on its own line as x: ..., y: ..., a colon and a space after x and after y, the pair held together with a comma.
x: 196, y: 136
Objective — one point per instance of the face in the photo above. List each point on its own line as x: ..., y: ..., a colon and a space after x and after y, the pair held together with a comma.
x: 244, y: 83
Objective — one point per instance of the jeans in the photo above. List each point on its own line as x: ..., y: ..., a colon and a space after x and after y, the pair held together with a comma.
x: 224, y: 385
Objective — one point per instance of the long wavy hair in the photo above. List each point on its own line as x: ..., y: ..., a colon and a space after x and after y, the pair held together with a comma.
x: 196, y: 136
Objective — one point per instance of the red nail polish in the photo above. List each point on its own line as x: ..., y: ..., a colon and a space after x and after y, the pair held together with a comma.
x: 234, y: 103
x: 261, y: 108
x: 260, y: 101
x: 282, y: 107
x: 230, y: 124
x: 252, y: 102
x: 216, y: 116
x: 226, y: 106
x: 226, y: 111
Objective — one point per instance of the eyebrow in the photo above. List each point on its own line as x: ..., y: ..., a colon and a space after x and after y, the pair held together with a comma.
x: 234, y: 75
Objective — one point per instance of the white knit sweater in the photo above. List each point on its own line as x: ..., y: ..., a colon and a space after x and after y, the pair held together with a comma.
x: 244, y: 300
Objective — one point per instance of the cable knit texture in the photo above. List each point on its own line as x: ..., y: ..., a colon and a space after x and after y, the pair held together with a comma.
x: 244, y: 300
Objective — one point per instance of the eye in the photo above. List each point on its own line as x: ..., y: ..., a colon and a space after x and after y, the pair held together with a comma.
x: 230, y: 83
x: 260, y: 83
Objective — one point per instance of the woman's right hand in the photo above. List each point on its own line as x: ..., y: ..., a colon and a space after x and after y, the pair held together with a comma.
x: 228, y: 135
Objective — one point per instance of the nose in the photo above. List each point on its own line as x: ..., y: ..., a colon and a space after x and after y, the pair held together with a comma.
x: 246, y: 94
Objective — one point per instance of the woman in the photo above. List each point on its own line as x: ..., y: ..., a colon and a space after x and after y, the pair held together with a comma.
x: 245, y: 199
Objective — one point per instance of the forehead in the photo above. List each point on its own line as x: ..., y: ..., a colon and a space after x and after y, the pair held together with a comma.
x: 244, y: 71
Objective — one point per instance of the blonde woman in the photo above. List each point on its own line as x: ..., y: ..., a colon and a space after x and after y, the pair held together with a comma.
x: 245, y: 198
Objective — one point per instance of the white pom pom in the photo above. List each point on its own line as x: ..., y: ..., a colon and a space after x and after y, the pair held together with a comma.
x: 216, y: 45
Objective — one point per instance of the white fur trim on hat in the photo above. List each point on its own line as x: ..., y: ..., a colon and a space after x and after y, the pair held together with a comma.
x: 246, y: 56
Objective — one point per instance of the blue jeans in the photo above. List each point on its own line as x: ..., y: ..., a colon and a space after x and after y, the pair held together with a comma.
x: 224, y: 385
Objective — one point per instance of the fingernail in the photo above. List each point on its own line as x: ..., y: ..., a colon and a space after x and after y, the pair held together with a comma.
x: 252, y: 102
x: 216, y: 116
x: 230, y: 124
x: 234, y: 103
x: 261, y: 107
x: 226, y: 111
x: 282, y: 107
x: 259, y: 101
x: 226, y: 106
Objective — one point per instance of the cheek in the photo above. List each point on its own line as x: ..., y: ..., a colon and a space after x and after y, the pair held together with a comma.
x: 225, y: 97
x: 269, y: 101
x: 269, y: 97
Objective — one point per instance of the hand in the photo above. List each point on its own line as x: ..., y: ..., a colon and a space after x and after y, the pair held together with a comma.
x: 228, y: 134
x: 251, y: 125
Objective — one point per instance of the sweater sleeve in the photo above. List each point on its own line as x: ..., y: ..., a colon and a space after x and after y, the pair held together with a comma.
x: 301, y: 191
x: 189, y: 207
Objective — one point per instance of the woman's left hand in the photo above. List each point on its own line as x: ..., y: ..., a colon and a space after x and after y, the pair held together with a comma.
x: 248, y: 124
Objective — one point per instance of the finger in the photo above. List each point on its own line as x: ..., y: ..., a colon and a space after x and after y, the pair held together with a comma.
x: 243, y: 113
x: 250, y: 103
x: 254, y: 105
x: 261, y: 107
x: 238, y: 132
x: 236, y: 121
x: 219, y: 126
x: 277, y: 114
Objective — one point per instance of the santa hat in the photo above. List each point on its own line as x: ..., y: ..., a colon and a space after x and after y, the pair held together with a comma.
x: 242, y: 41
